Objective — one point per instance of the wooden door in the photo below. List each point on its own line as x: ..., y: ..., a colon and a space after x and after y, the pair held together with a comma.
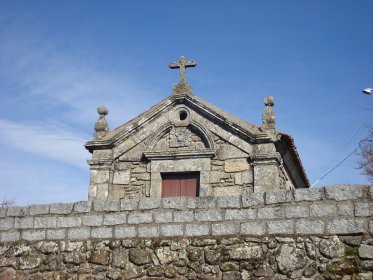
x: 180, y: 184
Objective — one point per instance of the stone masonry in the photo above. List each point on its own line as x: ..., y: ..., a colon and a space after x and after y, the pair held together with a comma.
x: 321, y: 233
x: 183, y: 133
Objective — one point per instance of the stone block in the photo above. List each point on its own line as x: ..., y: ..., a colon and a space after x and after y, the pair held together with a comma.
x: 115, y: 219
x: 17, y: 211
x: 7, y: 223
x: 82, y: 206
x: 171, y: 230
x: 271, y: 213
x: 102, y: 232
x: 236, y: 165
x: 99, y: 176
x: 201, y: 202
x: 124, y: 231
x: 245, y: 177
x: 345, y: 209
x: 55, y: 234
x: 208, y: 215
x: 26, y: 222
x: 149, y: 203
x: 45, y: 222
x: 10, y: 236
x: 253, y: 199
x: 346, y: 226
x: 278, y: 197
x: 183, y: 216
x: 228, y: 190
x: 61, y: 208
x: 174, y: 202
x: 322, y: 210
x: 218, y: 176
x: 147, y: 231
x: 225, y: 228
x: 121, y: 177
x: 314, y: 194
x: 346, y: 192
x: 2, y: 212
x: 78, y: 233
x: 32, y: 235
x: 229, y: 202
x: 92, y: 220
x: 366, y: 251
x: 106, y: 205
x: 68, y: 222
x: 140, y: 218
x: 298, y: 211
x: 197, y: 229
x: 39, y: 209
x: 280, y: 227
x: 163, y: 217
x: 240, y: 214
x: 129, y: 204
x: 364, y: 209
x: 253, y: 228
x: 304, y: 226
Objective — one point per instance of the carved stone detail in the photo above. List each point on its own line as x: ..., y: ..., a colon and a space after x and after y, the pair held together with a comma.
x: 180, y: 137
x: 101, y: 126
x: 268, y: 116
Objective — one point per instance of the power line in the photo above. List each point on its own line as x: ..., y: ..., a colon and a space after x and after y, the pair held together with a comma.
x: 327, y: 173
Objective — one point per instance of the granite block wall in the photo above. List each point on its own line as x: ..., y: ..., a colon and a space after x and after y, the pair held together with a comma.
x: 298, y: 234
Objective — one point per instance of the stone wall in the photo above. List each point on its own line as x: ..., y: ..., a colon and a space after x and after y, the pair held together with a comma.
x: 300, y: 234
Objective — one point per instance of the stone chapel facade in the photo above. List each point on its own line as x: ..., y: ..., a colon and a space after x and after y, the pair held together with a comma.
x: 185, y: 146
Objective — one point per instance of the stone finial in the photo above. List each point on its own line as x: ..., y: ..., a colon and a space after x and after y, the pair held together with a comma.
x: 182, y: 86
x: 101, y: 126
x: 268, y: 116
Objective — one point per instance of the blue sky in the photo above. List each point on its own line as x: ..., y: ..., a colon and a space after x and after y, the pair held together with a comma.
x: 60, y: 60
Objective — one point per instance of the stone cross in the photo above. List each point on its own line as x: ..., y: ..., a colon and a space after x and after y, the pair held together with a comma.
x: 182, y: 64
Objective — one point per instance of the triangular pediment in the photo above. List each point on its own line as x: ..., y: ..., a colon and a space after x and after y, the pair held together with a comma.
x: 167, y: 110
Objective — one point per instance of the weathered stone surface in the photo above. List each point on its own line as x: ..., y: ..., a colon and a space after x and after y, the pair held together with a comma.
x: 121, y: 177
x: 236, y: 165
x: 165, y: 255
x: 253, y: 228
x: 322, y: 210
x: 139, y: 218
x: 364, y: 209
x: 228, y: 202
x: 290, y: 258
x: 196, y: 230
x: 280, y: 227
x: 240, y: 252
x: 243, y: 214
x: 309, y: 194
x: 125, y: 231
x: 278, y: 197
x: 129, y: 204
x: 366, y: 251
x: 61, y: 208
x: 309, y: 227
x: 171, y: 230
x: 174, y: 202
x: 100, y: 257
x: 345, y: 226
x: 331, y: 247
x: 139, y: 256
x: 224, y: 228
x: 345, y: 192
x: 208, y: 215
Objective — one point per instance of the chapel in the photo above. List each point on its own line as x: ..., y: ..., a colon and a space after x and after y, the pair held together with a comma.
x: 185, y: 146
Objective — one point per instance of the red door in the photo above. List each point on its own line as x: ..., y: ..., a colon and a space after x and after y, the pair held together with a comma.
x: 180, y: 184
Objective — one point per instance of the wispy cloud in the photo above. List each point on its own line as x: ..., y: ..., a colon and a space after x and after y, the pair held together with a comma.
x: 46, y: 141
